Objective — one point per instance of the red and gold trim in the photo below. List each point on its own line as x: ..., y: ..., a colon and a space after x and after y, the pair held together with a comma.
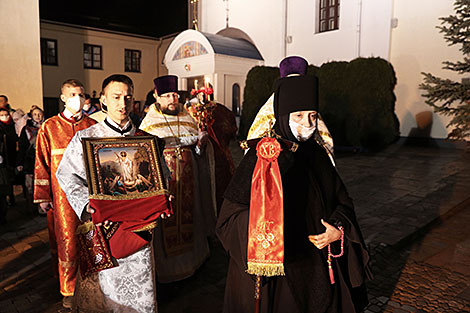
x: 266, y: 223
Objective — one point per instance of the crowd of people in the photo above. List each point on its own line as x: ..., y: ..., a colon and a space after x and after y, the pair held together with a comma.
x: 284, y: 218
x: 18, y: 133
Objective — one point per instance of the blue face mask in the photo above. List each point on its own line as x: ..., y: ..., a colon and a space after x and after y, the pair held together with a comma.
x: 301, y: 132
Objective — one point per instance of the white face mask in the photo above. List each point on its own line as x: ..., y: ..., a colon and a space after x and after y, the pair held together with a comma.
x: 4, y: 118
x: 86, y: 107
x: 301, y: 132
x: 74, y: 104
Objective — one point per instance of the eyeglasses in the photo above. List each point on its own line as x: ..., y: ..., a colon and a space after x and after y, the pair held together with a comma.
x: 170, y: 95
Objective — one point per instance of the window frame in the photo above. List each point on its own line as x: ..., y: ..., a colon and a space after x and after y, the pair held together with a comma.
x: 93, y: 66
x: 131, y: 69
x: 328, y: 13
x: 236, y: 106
x: 45, y: 56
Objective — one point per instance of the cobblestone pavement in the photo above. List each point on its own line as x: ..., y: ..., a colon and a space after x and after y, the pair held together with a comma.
x: 431, y: 273
x: 26, y: 280
x: 412, y: 203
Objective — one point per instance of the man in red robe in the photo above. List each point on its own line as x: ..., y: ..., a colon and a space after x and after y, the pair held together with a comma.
x: 53, y: 137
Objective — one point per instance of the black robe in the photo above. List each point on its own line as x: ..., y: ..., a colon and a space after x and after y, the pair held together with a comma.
x: 312, y: 190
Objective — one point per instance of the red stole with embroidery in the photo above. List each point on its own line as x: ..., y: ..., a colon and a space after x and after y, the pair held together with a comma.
x: 266, y: 223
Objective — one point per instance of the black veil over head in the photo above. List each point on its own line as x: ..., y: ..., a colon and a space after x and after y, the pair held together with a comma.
x: 292, y: 94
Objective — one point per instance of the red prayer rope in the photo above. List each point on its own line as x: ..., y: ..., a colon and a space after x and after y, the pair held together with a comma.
x: 331, y: 255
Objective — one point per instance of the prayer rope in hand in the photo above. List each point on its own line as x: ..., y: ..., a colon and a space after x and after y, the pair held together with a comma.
x: 331, y: 255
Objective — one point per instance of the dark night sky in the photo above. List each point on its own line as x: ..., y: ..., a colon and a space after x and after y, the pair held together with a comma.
x: 146, y: 17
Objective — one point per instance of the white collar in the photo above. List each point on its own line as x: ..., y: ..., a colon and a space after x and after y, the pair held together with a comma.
x: 69, y: 114
x: 110, y: 121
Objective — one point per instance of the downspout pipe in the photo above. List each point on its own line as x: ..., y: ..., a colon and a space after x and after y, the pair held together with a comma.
x: 284, y: 52
x: 358, y: 28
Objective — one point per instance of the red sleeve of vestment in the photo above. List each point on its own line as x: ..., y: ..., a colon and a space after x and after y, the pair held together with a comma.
x: 42, y: 168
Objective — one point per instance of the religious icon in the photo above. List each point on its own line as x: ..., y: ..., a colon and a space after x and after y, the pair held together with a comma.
x: 123, y: 167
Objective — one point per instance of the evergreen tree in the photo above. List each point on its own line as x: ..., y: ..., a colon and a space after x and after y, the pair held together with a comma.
x: 448, y: 97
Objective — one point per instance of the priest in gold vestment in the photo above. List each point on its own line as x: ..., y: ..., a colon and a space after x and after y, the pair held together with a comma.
x: 53, y: 137
x: 180, y: 243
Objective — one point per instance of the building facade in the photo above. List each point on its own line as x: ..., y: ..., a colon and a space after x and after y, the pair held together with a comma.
x: 402, y: 32
x: 90, y: 55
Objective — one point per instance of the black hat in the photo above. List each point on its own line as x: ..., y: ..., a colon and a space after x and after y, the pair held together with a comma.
x: 165, y: 84
x: 293, y: 94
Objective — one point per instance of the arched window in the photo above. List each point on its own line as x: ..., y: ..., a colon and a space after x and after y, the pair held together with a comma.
x: 236, y: 99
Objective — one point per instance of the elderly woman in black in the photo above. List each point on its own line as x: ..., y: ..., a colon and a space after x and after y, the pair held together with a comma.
x: 26, y: 154
x: 324, y: 262
x: 10, y: 140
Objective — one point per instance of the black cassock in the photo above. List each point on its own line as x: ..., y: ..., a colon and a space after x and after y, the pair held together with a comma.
x: 312, y: 190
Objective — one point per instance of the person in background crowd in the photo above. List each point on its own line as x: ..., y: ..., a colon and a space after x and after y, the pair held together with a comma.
x: 26, y: 154
x: 100, y: 115
x: 5, y: 178
x: 20, y: 119
x: 88, y: 107
x: 224, y: 129
x: 53, y: 137
x: 10, y: 140
x: 96, y: 103
x: 4, y: 103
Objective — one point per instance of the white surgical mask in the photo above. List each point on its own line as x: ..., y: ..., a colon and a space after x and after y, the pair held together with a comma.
x: 86, y: 107
x: 4, y: 118
x: 301, y: 132
x: 74, y: 104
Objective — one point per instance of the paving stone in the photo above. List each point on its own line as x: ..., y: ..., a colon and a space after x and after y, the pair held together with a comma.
x: 408, y: 308
x: 393, y: 304
x: 465, y: 294
x: 374, y: 301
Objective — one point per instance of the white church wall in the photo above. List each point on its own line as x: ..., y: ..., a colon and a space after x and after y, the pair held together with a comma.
x: 417, y: 46
x: 262, y: 20
x: 265, y: 22
x: 319, y: 48
x: 232, y: 70
x: 192, y: 66
x: 413, y: 45
x: 376, y: 28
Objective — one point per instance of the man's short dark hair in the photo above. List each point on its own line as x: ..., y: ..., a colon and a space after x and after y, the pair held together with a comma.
x: 71, y: 83
x: 87, y: 96
x: 6, y: 98
x: 4, y: 109
x: 120, y: 78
